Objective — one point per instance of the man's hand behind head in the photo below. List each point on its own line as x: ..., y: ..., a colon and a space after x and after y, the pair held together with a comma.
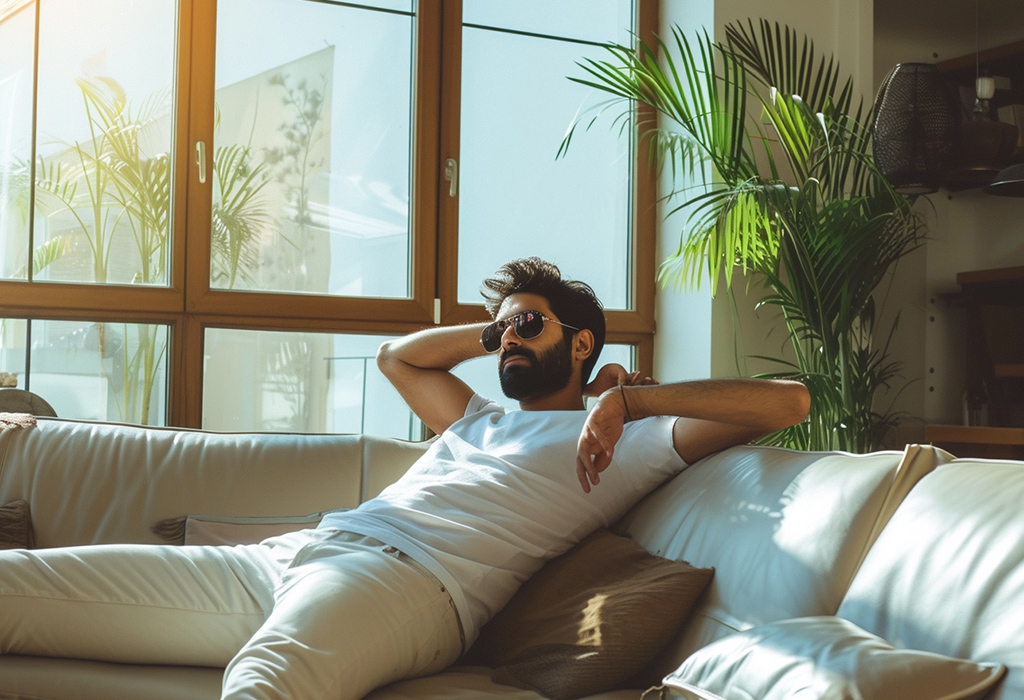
x: 612, y: 375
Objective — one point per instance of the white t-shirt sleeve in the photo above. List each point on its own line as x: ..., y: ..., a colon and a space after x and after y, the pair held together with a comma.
x: 647, y: 452
x: 478, y: 403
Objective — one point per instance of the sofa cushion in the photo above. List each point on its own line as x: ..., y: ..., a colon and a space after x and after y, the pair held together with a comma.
x: 947, y: 573
x: 824, y: 658
x: 590, y: 618
x: 15, y: 526
x: 784, y: 530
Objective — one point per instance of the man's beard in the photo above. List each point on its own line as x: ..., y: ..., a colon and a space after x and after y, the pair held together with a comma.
x: 546, y: 374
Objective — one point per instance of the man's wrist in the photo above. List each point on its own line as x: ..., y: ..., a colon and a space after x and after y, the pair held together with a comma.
x: 635, y: 399
x: 625, y: 404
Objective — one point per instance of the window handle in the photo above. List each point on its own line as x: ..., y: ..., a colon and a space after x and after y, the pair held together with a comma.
x: 451, y: 174
x: 201, y: 160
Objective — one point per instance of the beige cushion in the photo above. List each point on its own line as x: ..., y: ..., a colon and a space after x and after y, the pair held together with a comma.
x: 15, y: 526
x: 947, y: 573
x: 784, y: 530
x: 590, y: 618
x: 825, y: 658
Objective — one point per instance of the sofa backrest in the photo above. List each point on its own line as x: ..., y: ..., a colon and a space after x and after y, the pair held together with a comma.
x: 93, y: 482
x: 784, y: 530
x: 946, y: 575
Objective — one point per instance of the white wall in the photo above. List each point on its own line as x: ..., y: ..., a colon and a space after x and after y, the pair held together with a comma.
x: 682, y: 344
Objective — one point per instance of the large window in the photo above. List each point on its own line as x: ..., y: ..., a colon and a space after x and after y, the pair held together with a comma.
x: 515, y: 199
x: 311, y: 145
x: 212, y: 213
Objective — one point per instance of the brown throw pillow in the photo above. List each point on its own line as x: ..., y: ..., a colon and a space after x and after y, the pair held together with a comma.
x: 15, y: 526
x: 589, y: 619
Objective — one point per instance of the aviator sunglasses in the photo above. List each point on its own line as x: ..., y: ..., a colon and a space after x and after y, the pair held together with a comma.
x: 527, y: 324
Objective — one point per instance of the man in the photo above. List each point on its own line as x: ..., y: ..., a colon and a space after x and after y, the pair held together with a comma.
x: 400, y: 586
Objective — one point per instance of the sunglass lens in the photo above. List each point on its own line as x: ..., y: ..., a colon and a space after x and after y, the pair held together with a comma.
x: 490, y: 336
x: 529, y: 324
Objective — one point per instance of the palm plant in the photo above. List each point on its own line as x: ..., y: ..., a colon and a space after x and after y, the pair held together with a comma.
x: 17, y: 179
x: 110, y: 186
x: 238, y: 215
x: 791, y: 198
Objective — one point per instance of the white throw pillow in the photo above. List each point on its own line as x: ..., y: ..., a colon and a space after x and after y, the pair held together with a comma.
x: 824, y: 658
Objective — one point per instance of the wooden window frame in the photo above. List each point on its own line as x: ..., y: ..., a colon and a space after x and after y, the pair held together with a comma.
x: 189, y: 306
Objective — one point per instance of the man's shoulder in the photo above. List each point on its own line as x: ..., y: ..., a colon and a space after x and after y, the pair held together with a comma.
x: 482, y: 404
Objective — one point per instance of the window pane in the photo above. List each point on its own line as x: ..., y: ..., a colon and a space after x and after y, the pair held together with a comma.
x: 93, y: 371
x: 515, y: 199
x: 481, y: 373
x: 312, y: 149
x: 305, y: 382
x: 12, y: 349
x: 17, y: 29
x: 405, y: 6
x: 602, y: 21
x: 103, y: 143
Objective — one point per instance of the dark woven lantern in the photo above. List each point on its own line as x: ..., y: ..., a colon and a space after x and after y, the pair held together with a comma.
x: 917, y: 122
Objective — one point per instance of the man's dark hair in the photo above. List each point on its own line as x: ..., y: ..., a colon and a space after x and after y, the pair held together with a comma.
x: 573, y: 302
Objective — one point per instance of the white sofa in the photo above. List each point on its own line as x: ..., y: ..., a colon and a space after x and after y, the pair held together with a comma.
x: 919, y: 548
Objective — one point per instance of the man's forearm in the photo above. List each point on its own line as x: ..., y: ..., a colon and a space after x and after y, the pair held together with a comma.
x: 419, y: 365
x: 435, y: 348
x: 758, y: 403
x: 712, y: 414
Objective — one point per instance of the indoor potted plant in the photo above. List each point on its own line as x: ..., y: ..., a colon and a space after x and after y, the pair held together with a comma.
x: 789, y: 196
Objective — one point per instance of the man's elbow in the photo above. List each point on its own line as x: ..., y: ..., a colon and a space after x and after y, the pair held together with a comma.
x: 386, y: 359
x: 796, y: 403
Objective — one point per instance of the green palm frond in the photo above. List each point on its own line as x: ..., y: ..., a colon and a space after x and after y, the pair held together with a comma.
x: 777, y: 57
x: 239, y: 217
x: 790, y: 196
x: 46, y: 254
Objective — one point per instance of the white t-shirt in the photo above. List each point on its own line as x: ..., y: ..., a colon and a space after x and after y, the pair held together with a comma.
x: 496, y: 495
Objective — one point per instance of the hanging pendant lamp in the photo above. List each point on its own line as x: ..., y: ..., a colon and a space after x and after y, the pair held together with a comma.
x: 917, y: 122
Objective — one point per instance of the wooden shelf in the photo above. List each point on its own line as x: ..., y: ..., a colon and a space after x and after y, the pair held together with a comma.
x: 974, y: 434
x: 1003, y: 274
x: 993, y: 302
x: 1002, y: 58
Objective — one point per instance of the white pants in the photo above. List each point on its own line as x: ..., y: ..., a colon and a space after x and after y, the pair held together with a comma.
x: 309, y: 615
